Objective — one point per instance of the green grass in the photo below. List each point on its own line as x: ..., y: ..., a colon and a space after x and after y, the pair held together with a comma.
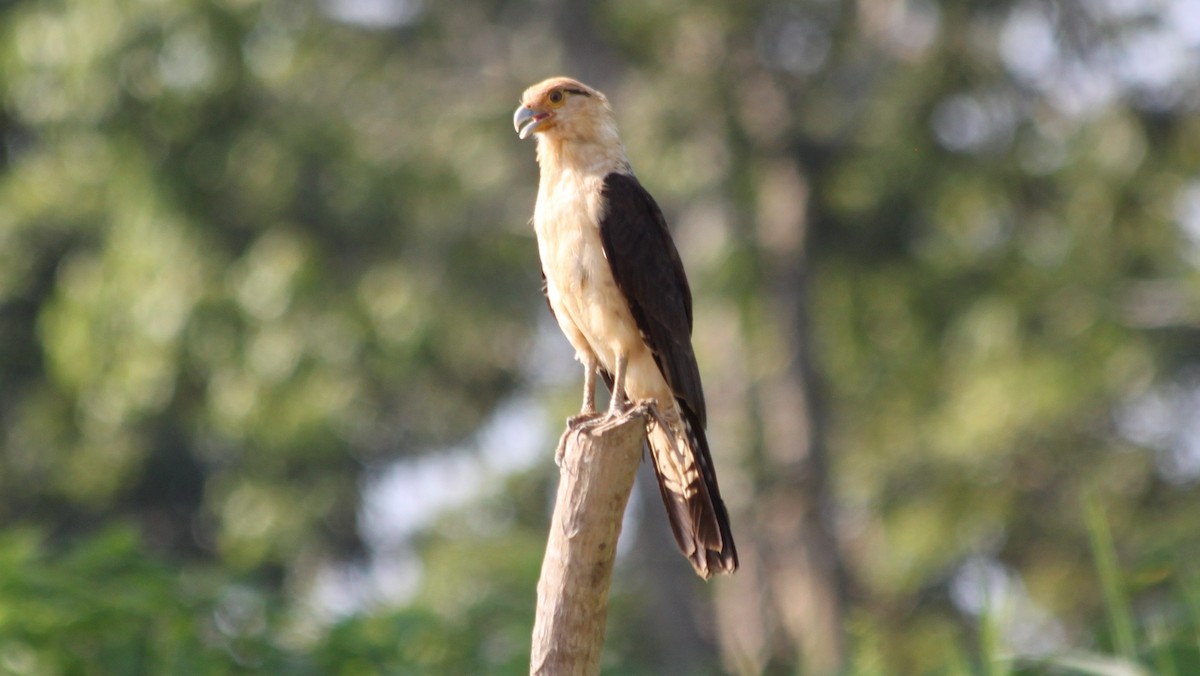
x: 1161, y: 637
x: 1116, y: 601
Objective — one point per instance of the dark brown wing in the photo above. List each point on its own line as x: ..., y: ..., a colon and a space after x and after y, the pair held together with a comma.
x: 647, y: 269
x: 649, y: 273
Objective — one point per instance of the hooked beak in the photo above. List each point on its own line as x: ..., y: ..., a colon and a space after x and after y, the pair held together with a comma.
x: 527, y: 120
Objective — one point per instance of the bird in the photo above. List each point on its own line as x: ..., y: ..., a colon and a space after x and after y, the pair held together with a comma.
x: 617, y: 288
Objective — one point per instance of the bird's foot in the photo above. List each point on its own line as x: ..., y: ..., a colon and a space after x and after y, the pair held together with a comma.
x: 593, y: 421
x: 617, y: 408
x: 585, y: 421
x: 649, y: 409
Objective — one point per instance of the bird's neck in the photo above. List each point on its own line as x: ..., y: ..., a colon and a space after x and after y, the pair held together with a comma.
x: 601, y: 156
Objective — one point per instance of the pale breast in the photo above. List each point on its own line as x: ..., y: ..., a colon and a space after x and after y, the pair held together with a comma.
x: 579, y: 281
x: 568, y: 239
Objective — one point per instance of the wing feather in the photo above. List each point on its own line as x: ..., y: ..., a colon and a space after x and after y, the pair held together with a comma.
x: 649, y: 272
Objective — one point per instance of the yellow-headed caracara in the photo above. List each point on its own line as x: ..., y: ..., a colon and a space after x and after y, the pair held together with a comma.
x: 617, y: 288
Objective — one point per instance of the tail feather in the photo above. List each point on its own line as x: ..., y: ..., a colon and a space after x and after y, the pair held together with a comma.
x: 688, y: 483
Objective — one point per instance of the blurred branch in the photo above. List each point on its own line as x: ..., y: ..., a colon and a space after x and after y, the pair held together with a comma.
x: 597, y: 471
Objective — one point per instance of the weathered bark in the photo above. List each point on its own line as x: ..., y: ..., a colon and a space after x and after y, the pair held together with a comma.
x: 596, y: 477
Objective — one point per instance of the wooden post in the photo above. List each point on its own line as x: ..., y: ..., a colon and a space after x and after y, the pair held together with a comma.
x: 596, y: 476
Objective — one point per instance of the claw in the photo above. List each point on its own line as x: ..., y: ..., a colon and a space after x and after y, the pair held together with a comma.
x: 584, y: 420
x: 576, y: 424
x: 587, y: 423
x: 560, y: 451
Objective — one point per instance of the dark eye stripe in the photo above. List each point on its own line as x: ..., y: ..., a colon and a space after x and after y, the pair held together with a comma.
x: 577, y: 91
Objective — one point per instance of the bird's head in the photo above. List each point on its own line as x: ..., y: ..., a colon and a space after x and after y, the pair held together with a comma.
x: 563, y: 109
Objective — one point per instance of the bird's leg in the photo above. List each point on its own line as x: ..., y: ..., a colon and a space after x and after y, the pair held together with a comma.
x: 618, y: 404
x: 588, y: 411
x: 589, y: 387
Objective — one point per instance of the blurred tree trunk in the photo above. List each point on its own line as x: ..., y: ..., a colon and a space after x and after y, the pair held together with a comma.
x: 673, y: 612
x: 786, y: 607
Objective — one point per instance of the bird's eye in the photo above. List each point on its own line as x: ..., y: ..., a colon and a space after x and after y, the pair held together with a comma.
x: 556, y: 97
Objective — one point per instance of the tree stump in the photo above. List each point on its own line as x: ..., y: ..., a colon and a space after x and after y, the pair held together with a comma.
x: 596, y: 469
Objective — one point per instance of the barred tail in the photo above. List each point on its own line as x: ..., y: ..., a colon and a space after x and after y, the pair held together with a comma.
x: 688, y: 483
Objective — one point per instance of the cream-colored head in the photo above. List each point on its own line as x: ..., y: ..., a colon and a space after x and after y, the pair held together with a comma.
x: 562, y: 109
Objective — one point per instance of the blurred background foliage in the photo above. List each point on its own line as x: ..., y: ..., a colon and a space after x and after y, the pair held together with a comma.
x: 279, y: 389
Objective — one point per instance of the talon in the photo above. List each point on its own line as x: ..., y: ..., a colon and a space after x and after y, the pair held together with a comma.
x: 576, y: 424
x: 560, y: 452
x: 649, y: 408
x: 583, y: 420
